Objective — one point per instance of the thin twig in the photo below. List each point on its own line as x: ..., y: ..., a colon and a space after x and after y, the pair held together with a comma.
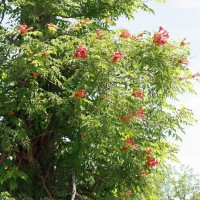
x: 46, y: 188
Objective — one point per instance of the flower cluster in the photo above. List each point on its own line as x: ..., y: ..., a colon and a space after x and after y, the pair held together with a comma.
x: 138, y: 94
x: 183, y: 42
x: 99, y: 34
x: 148, y: 151
x: 81, y: 94
x: 196, y: 75
x: 160, y: 37
x: 138, y: 113
x: 131, y: 142
x: 183, y: 61
x: 125, y: 119
x: 125, y: 34
x: 117, y: 56
x: 23, y: 28
x: 193, y: 76
x: 151, y: 162
x: 144, y: 172
x: 81, y: 52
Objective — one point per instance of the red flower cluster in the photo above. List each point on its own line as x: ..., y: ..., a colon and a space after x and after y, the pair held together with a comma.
x: 131, y: 142
x: 117, y: 56
x: 183, y: 78
x: 144, y: 172
x: 140, y: 35
x: 125, y: 118
x: 196, y: 75
x: 148, y: 151
x: 138, y: 113
x: 193, y: 76
x: 126, y: 148
x: 99, y: 34
x: 151, y: 162
x: 138, y: 94
x: 23, y: 28
x: 160, y: 37
x: 81, y: 94
x: 125, y: 34
x: 183, y: 61
x: 183, y: 42
x: 81, y: 53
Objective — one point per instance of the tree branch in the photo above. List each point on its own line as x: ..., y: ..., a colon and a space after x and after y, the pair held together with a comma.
x: 46, y: 187
x: 73, y: 186
x: 74, y: 193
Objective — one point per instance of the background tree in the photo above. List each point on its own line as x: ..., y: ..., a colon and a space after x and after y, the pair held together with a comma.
x: 84, y: 110
x: 176, y: 182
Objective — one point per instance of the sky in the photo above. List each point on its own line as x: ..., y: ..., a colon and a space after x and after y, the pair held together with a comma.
x: 180, y: 19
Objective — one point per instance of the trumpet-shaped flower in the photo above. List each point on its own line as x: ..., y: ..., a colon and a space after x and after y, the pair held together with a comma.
x: 81, y: 94
x: 138, y: 94
x: 81, y: 52
x: 117, y: 56
x: 160, y: 37
x: 125, y: 34
x: 23, y: 28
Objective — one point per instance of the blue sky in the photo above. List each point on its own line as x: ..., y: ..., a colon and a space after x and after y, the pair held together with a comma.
x: 180, y: 18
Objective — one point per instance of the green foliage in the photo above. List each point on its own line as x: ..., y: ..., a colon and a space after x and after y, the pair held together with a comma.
x: 176, y: 182
x: 63, y: 145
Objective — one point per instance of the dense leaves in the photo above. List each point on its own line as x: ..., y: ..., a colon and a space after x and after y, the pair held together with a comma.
x: 81, y: 106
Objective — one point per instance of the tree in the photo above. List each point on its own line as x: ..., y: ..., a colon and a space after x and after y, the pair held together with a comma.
x: 176, y: 182
x: 82, y: 106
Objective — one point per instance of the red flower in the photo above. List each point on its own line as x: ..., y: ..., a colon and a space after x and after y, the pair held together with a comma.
x: 183, y: 78
x: 151, y: 162
x: 140, y: 35
x: 148, y: 151
x: 86, y: 20
x: 117, y: 56
x: 23, y: 28
x: 138, y: 113
x: 81, y: 94
x: 131, y: 142
x: 196, y: 75
x: 77, y: 54
x: 160, y: 37
x: 183, y: 61
x: 144, y: 172
x: 183, y: 42
x: 99, y: 34
x: 35, y: 75
x: 125, y: 118
x: 44, y: 53
x: 126, y: 148
x: 81, y: 53
x: 128, y: 193
x: 125, y: 34
x: 138, y: 94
